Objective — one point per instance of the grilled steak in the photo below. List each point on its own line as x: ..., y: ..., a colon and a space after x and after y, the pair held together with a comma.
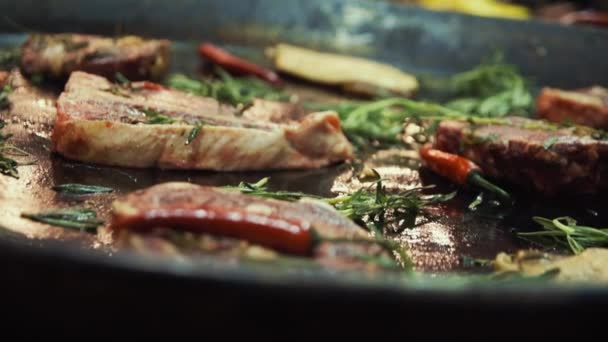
x: 534, y: 154
x: 285, y: 226
x: 57, y: 55
x: 587, y: 107
x: 101, y: 122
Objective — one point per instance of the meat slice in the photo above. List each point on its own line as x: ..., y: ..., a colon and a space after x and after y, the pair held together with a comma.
x: 531, y: 153
x: 57, y: 55
x: 285, y: 226
x: 587, y: 107
x: 101, y: 122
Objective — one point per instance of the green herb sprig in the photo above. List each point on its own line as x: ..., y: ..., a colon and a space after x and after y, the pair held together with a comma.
x: 235, y: 91
x: 81, y: 189
x: 491, y: 89
x: 565, y: 231
x: 378, y: 207
x: 76, y: 218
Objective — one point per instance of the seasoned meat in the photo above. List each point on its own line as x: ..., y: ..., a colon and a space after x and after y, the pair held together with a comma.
x: 587, y: 107
x: 29, y: 105
x: 282, y: 225
x: 104, y: 123
x: 57, y: 55
x: 531, y: 153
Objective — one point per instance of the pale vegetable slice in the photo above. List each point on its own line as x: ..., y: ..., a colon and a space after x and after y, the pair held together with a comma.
x: 589, y: 266
x: 354, y: 74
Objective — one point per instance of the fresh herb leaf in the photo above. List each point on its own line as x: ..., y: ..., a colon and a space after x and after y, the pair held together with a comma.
x: 78, y: 218
x: 156, y: 118
x: 194, y: 132
x: 81, y: 189
x: 491, y: 89
x: 565, y: 231
x: 259, y: 189
x: 235, y: 91
x: 549, y: 142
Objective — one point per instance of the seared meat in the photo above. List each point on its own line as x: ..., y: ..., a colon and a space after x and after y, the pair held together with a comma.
x: 104, y: 123
x: 57, y: 55
x: 587, y: 107
x: 282, y: 225
x: 531, y: 153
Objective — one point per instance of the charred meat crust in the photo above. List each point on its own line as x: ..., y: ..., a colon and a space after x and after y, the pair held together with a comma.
x: 58, y: 55
x: 587, y: 107
x: 542, y: 160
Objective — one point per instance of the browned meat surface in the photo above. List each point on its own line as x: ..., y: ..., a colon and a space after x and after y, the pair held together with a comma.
x: 57, y: 55
x: 533, y: 154
x: 105, y: 123
x: 292, y: 227
x: 587, y: 107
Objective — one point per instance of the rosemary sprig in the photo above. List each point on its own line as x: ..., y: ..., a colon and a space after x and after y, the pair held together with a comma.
x: 81, y: 189
x: 77, y: 218
x: 566, y: 232
x: 194, y: 132
x: 259, y: 189
x: 491, y: 89
x: 383, y: 208
x: 378, y: 207
x: 156, y: 118
x: 235, y: 91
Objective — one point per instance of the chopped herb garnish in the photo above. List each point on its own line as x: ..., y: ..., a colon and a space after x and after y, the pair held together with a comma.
x: 81, y: 189
x: 79, y: 218
x: 194, y: 132
x: 564, y: 231
x: 549, y: 142
x: 156, y: 118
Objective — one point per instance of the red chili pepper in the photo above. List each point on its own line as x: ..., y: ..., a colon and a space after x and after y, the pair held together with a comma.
x: 232, y: 63
x: 290, y: 236
x: 457, y: 169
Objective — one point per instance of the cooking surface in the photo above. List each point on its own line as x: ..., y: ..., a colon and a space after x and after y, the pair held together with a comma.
x: 435, y: 245
x: 407, y: 37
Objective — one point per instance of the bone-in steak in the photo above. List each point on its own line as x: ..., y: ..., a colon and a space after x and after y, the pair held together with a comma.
x: 102, y: 122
